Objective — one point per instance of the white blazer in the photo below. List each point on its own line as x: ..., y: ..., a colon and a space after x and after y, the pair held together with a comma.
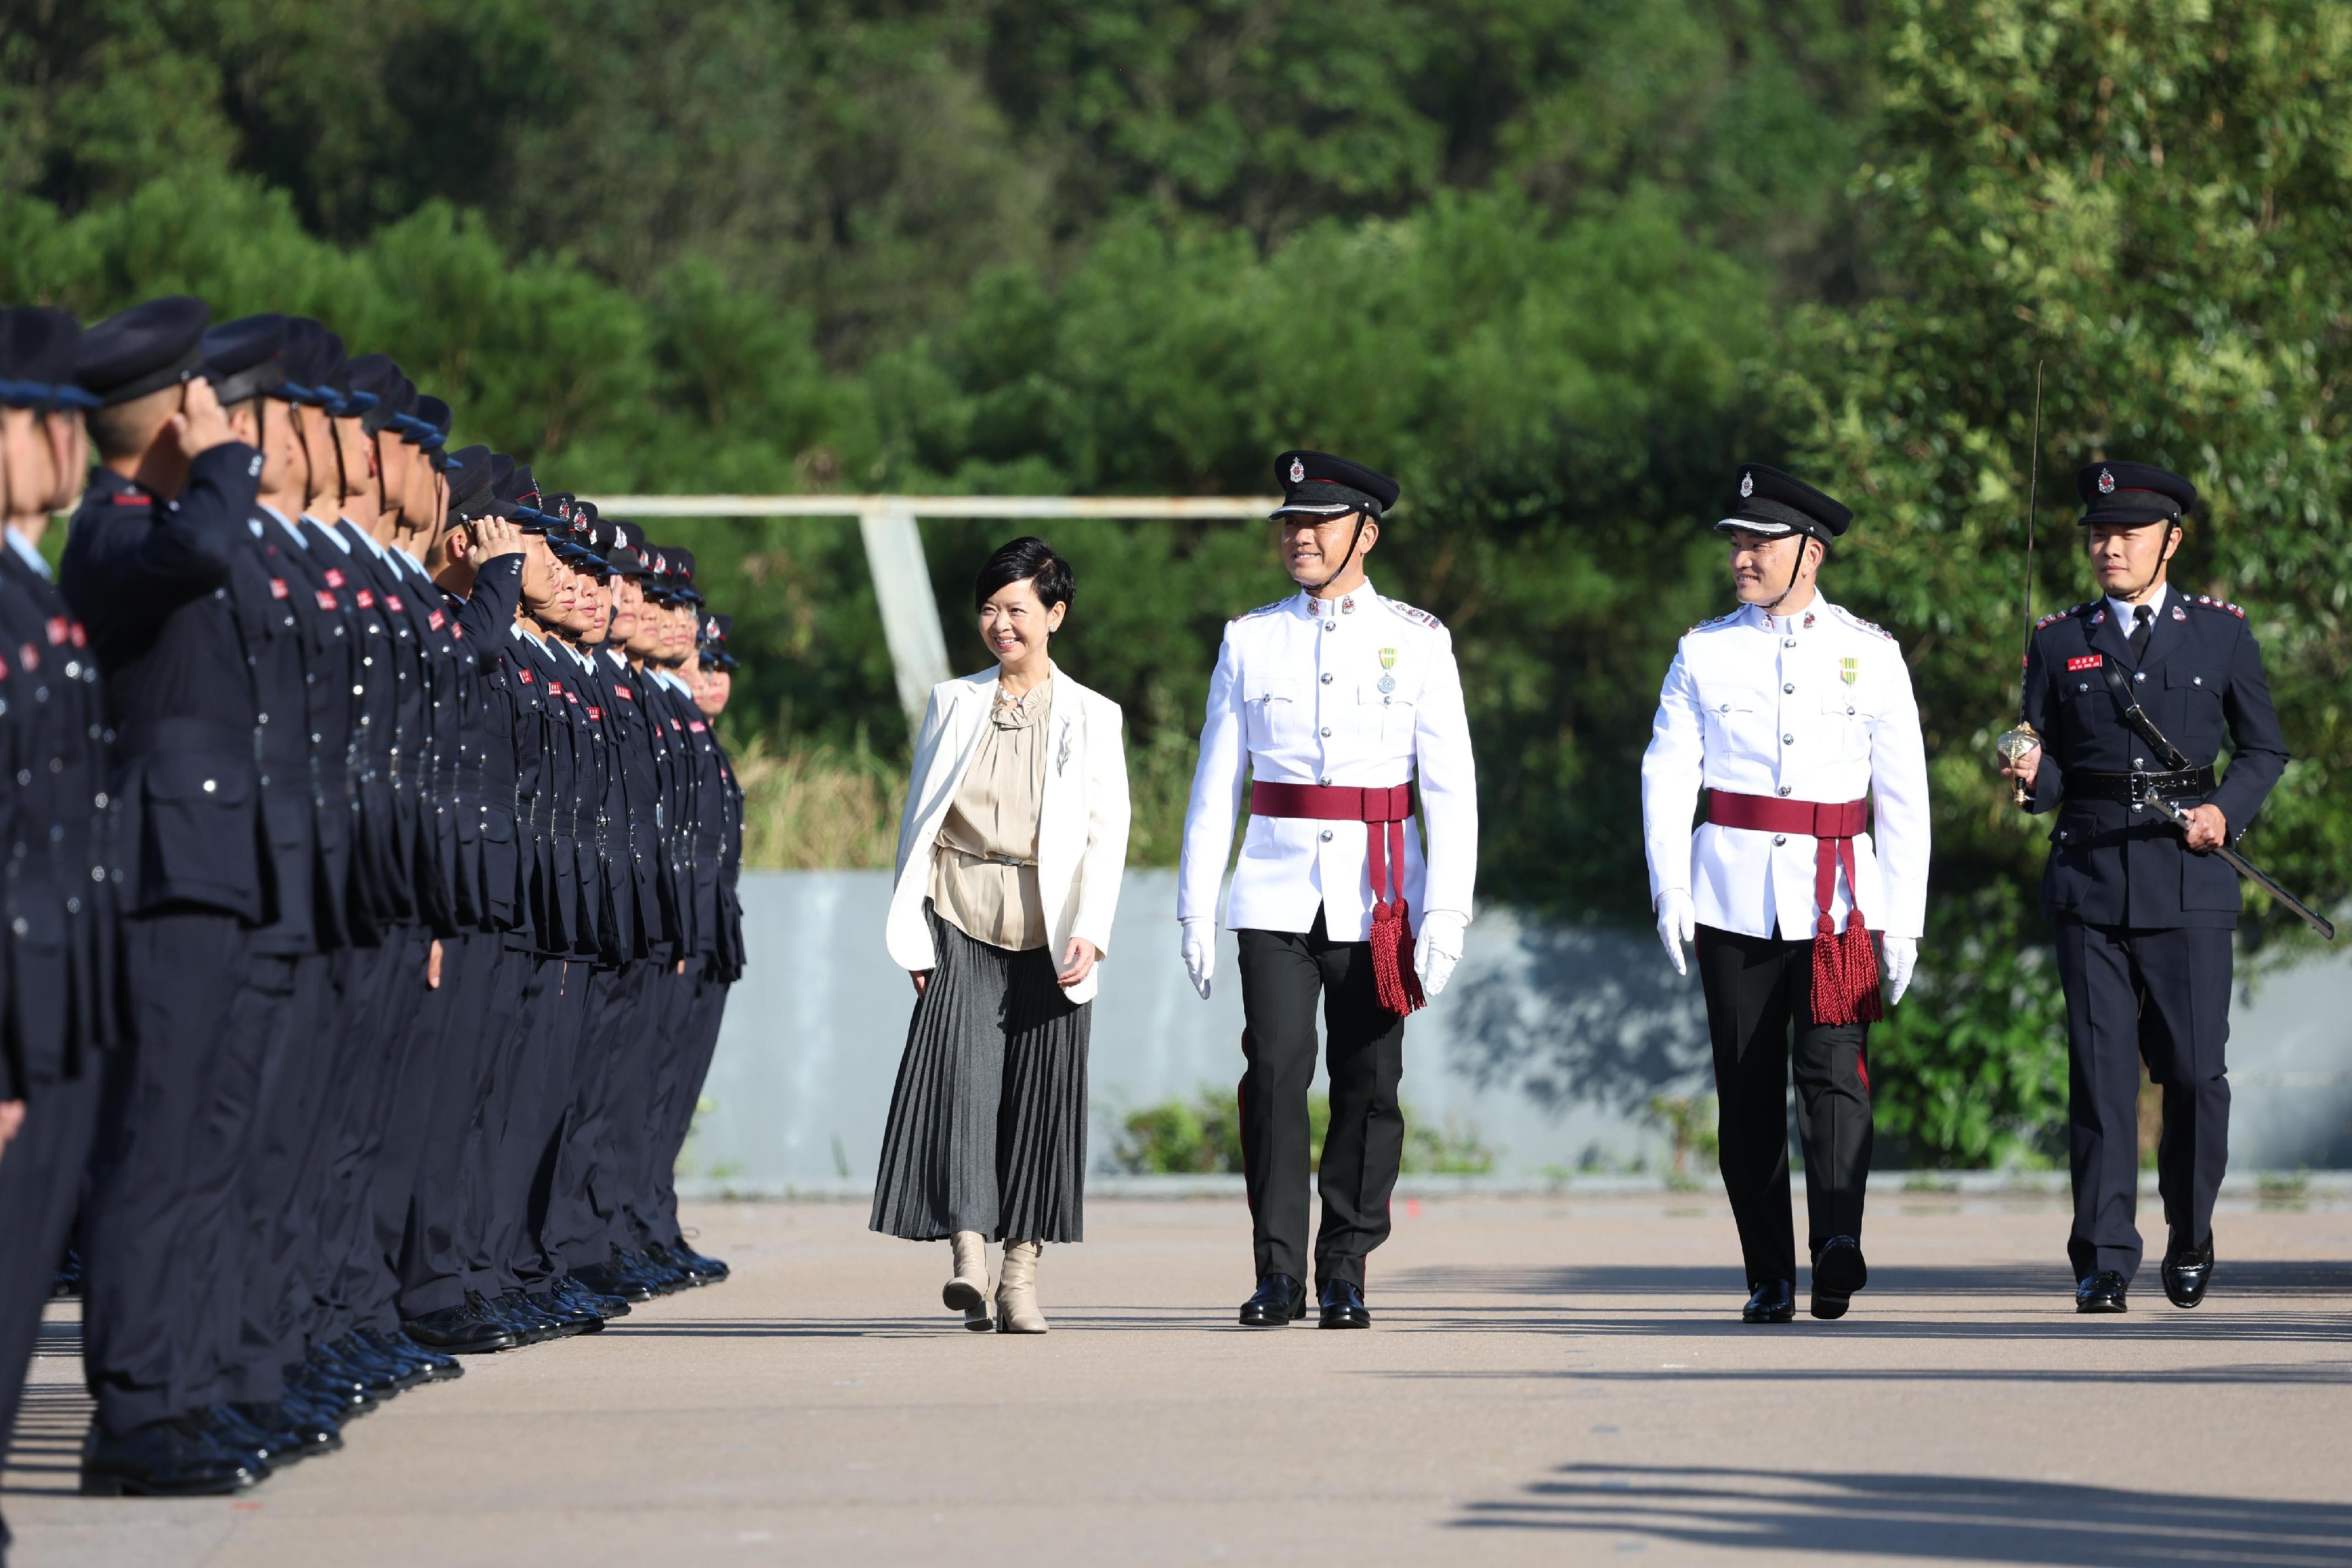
x: 1082, y: 825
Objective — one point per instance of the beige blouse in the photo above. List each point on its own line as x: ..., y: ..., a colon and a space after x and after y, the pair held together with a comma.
x: 984, y: 866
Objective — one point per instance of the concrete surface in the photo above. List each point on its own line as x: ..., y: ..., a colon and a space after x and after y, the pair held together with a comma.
x: 1551, y: 1380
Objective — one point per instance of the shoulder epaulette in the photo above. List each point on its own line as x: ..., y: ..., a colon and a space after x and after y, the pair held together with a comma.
x: 2053, y: 616
x: 1729, y: 615
x: 1418, y: 617
x: 1850, y: 619
x: 1262, y: 610
x: 2212, y: 603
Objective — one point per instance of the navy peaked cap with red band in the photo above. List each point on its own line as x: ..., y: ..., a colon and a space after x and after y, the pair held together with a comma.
x: 245, y: 357
x: 143, y: 350
x: 2132, y: 493
x: 1316, y: 484
x: 1769, y: 502
x: 38, y: 346
x: 469, y: 483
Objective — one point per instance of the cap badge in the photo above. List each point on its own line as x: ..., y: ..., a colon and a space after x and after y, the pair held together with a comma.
x: 1849, y: 670
x: 1746, y: 486
x: 2106, y: 483
x: 1297, y: 471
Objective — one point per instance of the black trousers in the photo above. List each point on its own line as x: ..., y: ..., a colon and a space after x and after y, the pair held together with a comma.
x: 691, y: 1050
x: 465, y: 1022
x: 165, y: 1177
x: 2161, y: 996
x: 1283, y: 975
x: 1756, y: 988
x: 41, y: 1189
x: 282, y: 1186
x: 582, y: 1198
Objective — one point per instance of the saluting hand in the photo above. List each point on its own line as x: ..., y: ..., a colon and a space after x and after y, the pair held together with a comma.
x: 495, y: 536
x: 200, y: 425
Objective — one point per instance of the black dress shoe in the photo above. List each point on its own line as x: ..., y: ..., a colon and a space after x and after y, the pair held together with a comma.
x: 1773, y: 1301
x: 2102, y: 1292
x: 650, y: 1267
x: 238, y: 1435
x: 1280, y: 1300
x: 311, y: 1415
x: 1343, y: 1307
x: 461, y: 1329
x: 710, y: 1270
x: 163, y: 1458
x: 380, y: 1375
x: 609, y: 1278
x: 663, y: 1257
x: 438, y: 1368
x: 319, y: 1375
x: 2186, y: 1271
x: 292, y: 1434
x: 579, y: 1295
x: 1838, y: 1273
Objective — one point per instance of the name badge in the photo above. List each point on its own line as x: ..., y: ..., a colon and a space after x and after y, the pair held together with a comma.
x: 277, y: 589
x: 367, y: 600
x: 2082, y: 662
x: 334, y: 577
x: 326, y: 600
x: 392, y: 602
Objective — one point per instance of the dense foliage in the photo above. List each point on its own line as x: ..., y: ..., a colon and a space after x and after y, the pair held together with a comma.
x: 1556, y: 263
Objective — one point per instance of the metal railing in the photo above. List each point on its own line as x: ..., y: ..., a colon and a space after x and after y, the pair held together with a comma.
x: 894, y: 548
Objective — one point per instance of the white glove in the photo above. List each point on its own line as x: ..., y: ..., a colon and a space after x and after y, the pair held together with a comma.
x: 1677, y: 924
x: 1902, y: 958
x: 1437, y: 948
x: 1200, y: 950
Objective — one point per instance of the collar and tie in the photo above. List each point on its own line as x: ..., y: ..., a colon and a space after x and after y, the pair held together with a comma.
x: 2143, y: 624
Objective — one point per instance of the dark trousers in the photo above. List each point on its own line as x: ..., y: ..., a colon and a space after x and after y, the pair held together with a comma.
x: 639, y: 1058
x: 464, y: 1022
x: 1756, y: 988
x: 382, y: 988
x: 162, y: 1182
x: 690, y: 1052
x: 263, y: 1077
x: 1285, y: 974
x: 2161, y: 996
x: 555, y: 1006
x: 282, y: 1187
x: 41, y: 1189
x: 582, y: 1195
x: 494, y: 1197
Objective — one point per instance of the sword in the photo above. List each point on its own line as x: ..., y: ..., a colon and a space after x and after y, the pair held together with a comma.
x: 2243, y: 866
x: 2015, y: 743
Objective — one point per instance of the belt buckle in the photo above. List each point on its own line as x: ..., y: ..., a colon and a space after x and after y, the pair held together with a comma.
x: 2139, y: 785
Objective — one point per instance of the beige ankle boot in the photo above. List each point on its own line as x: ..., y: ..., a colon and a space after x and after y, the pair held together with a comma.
x: 968, y: 1291
x: 1016, y: 1291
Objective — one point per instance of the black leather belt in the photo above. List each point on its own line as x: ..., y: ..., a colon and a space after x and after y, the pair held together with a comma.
x: 2128, y: 787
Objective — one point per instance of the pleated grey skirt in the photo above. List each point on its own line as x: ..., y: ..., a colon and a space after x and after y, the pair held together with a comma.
x: 988, y: 1124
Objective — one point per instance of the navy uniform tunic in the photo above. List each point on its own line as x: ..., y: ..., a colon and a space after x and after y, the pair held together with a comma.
x: 2144, y: 923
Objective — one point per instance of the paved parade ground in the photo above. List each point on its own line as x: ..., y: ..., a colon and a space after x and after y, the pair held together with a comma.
x: 1549, y: 1380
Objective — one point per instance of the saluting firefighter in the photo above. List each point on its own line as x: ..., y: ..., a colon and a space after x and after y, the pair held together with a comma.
x: 1797, y: 718
x: 1336, y: 701
x: 2143, y: 913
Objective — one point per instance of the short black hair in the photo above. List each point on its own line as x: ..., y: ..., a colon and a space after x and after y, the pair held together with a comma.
x: 1030, y: 561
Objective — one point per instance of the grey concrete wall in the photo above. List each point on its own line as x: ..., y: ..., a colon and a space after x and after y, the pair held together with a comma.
x: 1550, y: 1041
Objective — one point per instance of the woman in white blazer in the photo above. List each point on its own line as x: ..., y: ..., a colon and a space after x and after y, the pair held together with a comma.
x: 1010, y: 853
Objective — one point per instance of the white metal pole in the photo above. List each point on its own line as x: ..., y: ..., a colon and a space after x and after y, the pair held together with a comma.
x: 910, y: 613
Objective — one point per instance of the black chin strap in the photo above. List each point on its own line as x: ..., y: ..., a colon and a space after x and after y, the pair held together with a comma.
x: 1363, y: 515
x: 1795, y: 571
x: 2171, y: 546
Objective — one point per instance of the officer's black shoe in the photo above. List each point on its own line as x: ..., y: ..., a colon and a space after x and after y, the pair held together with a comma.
x: 710, y: 1270
x: 239, y: 1436
x: 574, y: 1315
x: 382, y: 1374
x: 656, y: 1273
x: 163, y: 1458
x: 529, y: 1324
x: 438, y: 1367
x: 461, y: 1329
x: 318, y: 1375
x: 610, y: 1280
x: 1773, y: 1301
x: 1280, y: 1300
x: 1343, y: 1306
x: 662, y: 1258
x: 293, y: 1434
x: 604, y: 1306
x: 2186, y: 1271
x: 310, y: 1414
x: 1838, y: 1273
x: 2102, y: 1292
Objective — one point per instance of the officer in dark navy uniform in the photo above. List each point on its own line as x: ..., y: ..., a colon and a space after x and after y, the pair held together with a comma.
x: 2141, y: 688
x: 147, y: 567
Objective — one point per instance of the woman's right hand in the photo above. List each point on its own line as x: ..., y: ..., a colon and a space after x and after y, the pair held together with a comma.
x: 922, y: 979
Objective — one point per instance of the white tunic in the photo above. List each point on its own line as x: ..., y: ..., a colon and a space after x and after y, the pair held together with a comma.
x: 1359, y: 691
x: 1811, y: 706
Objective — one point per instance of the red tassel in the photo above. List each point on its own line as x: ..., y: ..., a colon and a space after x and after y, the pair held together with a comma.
x: 1845, y: 973
x: 1393, y: 981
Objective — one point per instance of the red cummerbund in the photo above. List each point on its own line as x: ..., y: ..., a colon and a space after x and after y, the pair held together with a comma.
x: 1767, y: 814
x: 1332, y: 803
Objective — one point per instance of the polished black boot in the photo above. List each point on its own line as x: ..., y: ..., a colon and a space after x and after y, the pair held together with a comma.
x: 2187, y: 1270
x: 396, y: 1344
x: 1343, y: 1307
x: 176, y: 1457
x: 1280, y: 1300
x: 1838, y: 1273
x: 2102, y: 1292
x: 1773, y: 1301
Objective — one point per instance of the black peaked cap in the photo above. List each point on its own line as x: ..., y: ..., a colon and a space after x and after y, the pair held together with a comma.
x: 469, y: 480
x: 314, y: 361
x: 143, y: 350
x: 1318, y: 484
x: 37, y: 347
x: 1766, y: 501
x: 245, y: 357
x: 2133, y: 493
x: 681, y: 573
x: 376, y: 376
x: 627, y: 556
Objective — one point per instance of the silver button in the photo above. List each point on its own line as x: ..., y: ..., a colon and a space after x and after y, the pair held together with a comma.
x: 1330, y: 626
x: 2139, y: 805
x: 1849, y: 713
x: 1327, y: 732
x: 1326, y: 780
x: 2196, y: 680
x: 2139, y: 674
x: 1784, y: 789
x: 210, y: 786
x: 2082, y: 685
x: 101, y: 800
x: 1790, y: 687
x: 97, y: 873
x: 73, y: 906
x: 20, y: 927
x: 1788, y: 740
x: 2140, y: 762
x: 1787, y: 642
x: 1327, y: 835
x: 1326, y: 677
x: 1779, y: 838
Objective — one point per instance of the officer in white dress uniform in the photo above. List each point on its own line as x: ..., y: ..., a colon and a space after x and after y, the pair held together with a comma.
x: 1337, y: 702
x: 1798, y: 719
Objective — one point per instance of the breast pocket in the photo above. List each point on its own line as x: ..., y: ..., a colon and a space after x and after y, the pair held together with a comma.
x: 1848, y: 720
x: 1740, y: 721
x: 1386, y: 716
x: 2193, y: 697
x: 1271, y: 707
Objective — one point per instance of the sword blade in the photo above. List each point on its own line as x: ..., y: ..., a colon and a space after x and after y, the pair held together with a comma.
x: 2247, y: 870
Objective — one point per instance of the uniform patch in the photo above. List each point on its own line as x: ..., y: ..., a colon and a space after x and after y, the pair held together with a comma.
x: 625, y: 694
x: 79, y: 635
x: 334, y: 577
x: 58, y: 630
x: 392, y: 602
x: 697, y: 726
x: 28, y: 656
x: 277, y: 589
x: 595, y: 713
x: 457, y: 630
x: 2082, y: 662
x: 2221, y: 604
x: 526, y: 676
x: 437, y: 620
x: 367, y: 600
x: 326, y: 600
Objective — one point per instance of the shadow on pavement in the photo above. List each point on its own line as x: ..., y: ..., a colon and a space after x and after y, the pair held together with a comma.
x: 1942, y: 1518
x: 2285, y: 1278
